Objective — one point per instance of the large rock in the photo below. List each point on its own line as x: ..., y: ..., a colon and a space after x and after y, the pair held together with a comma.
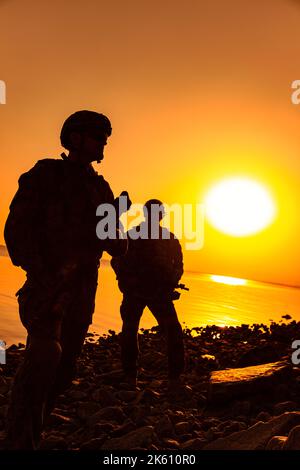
x: 293, y: 440
x: 170, y: 443
x: 206, y: 362
x: 154, y: 359
x: 148, y: 396
x: 183, y: 427
x: 194, y: 444
x: 228, y: 384
x: 125, y: 428
x: 56, y: 419
x: 54, y: 442
x: 164, y: 427
x: 126, y: 395
x: 103, y: 428
x: 276, y: 443
x: 104, y: 396
x: 261, y: 354
x: 110, y: 413
x: 282, y: 407
x: 177, y: 416
x: 93, y: 444
x: 265, y: 416
x: 77, y: 395
x: 256, y: 437
x: 86, y: 410
x: 141, y: 437
x: 114, y: 376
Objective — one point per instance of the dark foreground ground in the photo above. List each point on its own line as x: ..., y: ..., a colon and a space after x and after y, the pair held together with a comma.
x: 243, y: 392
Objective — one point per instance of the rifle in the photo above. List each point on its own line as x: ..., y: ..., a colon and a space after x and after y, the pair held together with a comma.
x: 181, y: 286
x: 175, y: 294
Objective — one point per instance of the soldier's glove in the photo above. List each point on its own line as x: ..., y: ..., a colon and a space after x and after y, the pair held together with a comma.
x: 175, y: 295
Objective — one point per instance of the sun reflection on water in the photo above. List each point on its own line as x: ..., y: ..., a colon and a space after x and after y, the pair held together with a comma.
x: 233, y: 281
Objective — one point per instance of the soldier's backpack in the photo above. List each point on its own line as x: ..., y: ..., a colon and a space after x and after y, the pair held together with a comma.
x: 23, y: 220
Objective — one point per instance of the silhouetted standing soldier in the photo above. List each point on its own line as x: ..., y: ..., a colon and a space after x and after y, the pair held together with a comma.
x: 147, y: 276
x: 51, y: 233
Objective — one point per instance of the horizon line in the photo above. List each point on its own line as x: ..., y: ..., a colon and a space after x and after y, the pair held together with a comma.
x: 190, y: 271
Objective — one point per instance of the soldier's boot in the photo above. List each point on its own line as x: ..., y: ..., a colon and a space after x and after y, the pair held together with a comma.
x: 131, y: 381
x: 131, y: 311
x: 166, y: 316
x: 65, y: 374
x: 177, y: 389
x: 31, y: 385
x: 175, y: 350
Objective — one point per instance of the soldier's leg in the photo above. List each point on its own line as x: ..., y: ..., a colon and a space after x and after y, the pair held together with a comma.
x: 166, y: 316
x: 72, y: 340
x: 131, y: 311
x: 37, y: 372
x: 74, y: 327
x: 29, y: 392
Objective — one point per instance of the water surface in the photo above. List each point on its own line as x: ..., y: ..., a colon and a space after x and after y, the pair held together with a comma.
x: 207, y: 302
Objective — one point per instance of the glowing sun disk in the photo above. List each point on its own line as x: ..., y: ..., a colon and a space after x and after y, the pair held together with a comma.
x: 239, y: 207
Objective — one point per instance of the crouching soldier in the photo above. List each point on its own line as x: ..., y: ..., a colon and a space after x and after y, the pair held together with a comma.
x: 147, y: 276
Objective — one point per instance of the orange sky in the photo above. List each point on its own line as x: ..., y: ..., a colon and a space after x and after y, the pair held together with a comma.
x: 196, y: 91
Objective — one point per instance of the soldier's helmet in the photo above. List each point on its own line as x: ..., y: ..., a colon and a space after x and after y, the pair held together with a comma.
x: 83, y: 121
x: 154, y: 205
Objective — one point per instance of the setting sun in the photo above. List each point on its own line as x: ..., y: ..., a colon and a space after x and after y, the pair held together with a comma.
x: 239, y: 207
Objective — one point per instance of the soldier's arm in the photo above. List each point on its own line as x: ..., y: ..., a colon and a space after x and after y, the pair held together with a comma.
x: 116, y: 246
x: 126, y: 268
x: 115, y: 264
x: 122, y: 203
x: 178, y: 260
x: 119, y: 263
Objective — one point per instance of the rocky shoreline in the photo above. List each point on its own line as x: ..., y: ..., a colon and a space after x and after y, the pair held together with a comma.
x: 242, y: 392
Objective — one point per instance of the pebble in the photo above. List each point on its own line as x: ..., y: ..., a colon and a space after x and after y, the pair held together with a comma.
x: 182, y: 427
x: 96, y: 413
x: 280, y: 408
